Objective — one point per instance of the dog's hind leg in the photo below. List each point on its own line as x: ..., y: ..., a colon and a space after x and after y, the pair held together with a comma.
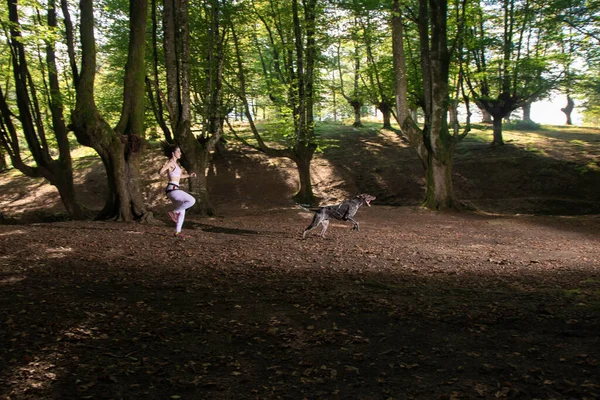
x: 325, y: 225
x: 317, y: 219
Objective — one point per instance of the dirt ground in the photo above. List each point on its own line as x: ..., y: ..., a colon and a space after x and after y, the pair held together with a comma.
x: 502, y: 301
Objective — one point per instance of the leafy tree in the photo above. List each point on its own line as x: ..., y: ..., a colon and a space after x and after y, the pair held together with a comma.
x: 211, y: 99
x: 192, y: 88
x: 33, y: 104
x: 112, y: 27
x: 362, y: 53
x: 288, y: 53
x: 509, y: 59
x: 579, y: 38
x: 120, y: 147
x: 557, y: 48
x: 378, y: 77
x: 589, y: 86
x: 156, y: 96
x: 355, y: 96
x: 435, y: 142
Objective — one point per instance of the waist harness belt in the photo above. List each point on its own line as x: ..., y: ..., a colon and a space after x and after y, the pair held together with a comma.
x: 173, y: 187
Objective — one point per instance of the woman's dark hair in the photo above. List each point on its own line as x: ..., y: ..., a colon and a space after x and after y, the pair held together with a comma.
x: 167, y: 148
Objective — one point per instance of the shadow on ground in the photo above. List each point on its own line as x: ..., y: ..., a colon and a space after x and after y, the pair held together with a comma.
x: 415, y: 305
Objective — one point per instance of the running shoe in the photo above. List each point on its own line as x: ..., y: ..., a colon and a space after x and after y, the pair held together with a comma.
x: 181, y: 235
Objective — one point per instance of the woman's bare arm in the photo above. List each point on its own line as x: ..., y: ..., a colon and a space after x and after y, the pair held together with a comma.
x: 167, y: 167
x: 184, y: 176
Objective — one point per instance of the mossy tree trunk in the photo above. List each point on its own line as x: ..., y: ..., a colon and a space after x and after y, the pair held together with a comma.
x: 439, y: 141
x: 305, y: 194
x: 119, y: 148
x: 435, y: 142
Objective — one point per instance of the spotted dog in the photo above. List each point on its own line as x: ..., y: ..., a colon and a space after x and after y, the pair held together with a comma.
x: 344, y: 211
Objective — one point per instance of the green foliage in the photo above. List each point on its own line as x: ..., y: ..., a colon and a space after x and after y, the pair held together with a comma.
x: 509, y: 52
x: 589, y: 167
x: 572, y: 292
x: 35, y: 36
x: 282, y: 130
x: 112, y: 21
x: 589, y: 91
x: 521, y: 125
x: 547, y: 40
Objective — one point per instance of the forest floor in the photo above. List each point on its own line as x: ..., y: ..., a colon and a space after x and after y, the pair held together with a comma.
x: 500, y: 301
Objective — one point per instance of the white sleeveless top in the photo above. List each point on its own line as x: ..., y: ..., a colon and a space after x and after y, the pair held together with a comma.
x: 175, y: 174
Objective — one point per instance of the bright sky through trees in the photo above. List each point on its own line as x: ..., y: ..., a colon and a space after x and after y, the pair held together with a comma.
x: 548, y: 112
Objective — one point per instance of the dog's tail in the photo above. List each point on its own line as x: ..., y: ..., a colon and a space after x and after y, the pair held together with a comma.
x: 307, y: 207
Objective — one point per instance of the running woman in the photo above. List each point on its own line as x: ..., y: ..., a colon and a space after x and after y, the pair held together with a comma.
x: 181, y: 200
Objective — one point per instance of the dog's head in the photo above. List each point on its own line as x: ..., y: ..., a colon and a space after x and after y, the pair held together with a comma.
x: 365, y: 198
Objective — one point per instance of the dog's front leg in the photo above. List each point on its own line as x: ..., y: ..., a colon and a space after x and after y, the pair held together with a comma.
x: 355, y: 227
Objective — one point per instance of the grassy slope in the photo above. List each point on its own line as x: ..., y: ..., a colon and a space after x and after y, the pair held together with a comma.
x: 554, y: 170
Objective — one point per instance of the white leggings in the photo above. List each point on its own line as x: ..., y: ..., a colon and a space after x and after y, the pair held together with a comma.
x: 182, y: 201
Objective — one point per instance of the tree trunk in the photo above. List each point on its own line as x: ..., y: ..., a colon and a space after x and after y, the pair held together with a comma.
x: 486, y: 117
x: 439, y: 193
x: 500, y: 108
x: 63, y: 169
x: 568, y: 110
x: 304, y: 112
x: 498, y: 139
x: 356, y: 107
x: 440, y: 190
x: 334, y: 104
x: 198, y: 186
x: 195, y: 150
x: 3, y: 164
x: 66, y: 189
x: 386, y: 111
x: 453, y: 113
x: 124, y: 201
x: 119, y: 149
x: 527, y: 111
x: 204, y: 206
x: 304, y: 195
x: 408, y: 125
